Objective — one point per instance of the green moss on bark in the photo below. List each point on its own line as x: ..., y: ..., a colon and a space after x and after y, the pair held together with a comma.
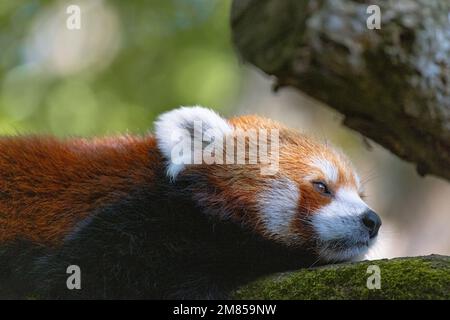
x: 402, y: 278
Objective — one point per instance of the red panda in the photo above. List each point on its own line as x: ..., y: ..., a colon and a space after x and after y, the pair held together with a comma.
x: 141, y: 225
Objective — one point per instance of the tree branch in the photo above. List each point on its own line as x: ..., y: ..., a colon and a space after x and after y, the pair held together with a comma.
x: 392, y: 84
x: 402, y: 278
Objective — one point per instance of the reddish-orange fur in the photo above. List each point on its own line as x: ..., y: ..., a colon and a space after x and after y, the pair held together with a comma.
x: 48, y: 185
x: 120, y: 209
x: 241, y: 184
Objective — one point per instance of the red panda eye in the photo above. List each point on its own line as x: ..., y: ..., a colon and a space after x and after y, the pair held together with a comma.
x: 322, y: 188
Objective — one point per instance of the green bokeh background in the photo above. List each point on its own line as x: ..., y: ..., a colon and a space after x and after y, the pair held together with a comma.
x: 171, y: 53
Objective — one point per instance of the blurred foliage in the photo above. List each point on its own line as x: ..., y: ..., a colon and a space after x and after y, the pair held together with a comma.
x: 130, y: 61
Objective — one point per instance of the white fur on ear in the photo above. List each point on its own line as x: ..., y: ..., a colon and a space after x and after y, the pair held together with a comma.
x: 181, y: 124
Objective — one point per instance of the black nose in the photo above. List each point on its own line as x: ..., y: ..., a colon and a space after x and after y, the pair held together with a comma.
x: 372, y: 221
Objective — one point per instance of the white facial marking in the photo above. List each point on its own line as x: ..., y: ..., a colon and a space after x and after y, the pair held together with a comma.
x: 341, y: 221
x: 348, y: 254
x: 329, y: 170
x: 339, y: 218
x: 358, y: 181
x: 278, y: 207
x: 174, y: 125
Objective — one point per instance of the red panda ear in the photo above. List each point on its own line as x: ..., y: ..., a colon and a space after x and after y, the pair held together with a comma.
x: 176, y: 129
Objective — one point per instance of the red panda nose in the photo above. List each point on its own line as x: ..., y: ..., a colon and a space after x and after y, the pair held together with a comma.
x: 372, y: 221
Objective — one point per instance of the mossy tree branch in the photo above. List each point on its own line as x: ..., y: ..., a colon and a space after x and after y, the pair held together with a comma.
x: 402, y: 278
x: 392, y: 85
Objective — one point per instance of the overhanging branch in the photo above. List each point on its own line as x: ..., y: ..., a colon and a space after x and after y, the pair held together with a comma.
x: 392, y: 85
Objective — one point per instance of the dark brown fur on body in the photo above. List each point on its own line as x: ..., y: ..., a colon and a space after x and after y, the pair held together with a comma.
x: 141, y: 224
x: 108, y: 207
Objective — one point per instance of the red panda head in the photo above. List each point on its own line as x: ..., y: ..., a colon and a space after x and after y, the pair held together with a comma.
x: 304, y: 194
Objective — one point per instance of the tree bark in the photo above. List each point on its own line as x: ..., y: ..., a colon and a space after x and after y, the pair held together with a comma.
x: 402, y: 278
x: 392, y: 85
